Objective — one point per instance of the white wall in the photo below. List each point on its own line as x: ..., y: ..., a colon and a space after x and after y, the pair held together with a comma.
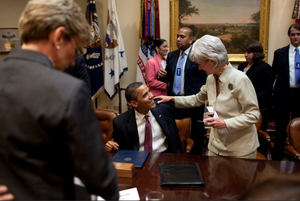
x: 280, y: 20
x: 129, y: 16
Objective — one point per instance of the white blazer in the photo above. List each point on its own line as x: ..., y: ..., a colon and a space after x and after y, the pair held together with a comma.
x: 236, y: 104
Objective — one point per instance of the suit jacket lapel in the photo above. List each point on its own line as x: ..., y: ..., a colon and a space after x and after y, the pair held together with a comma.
x: 252, y: 70
x: 211, y: 88
x: 188, y: 62
x: 132, y: 131
x: 285, y: 60
x: 157, y: 60
x: 175, y: 59
x: 161, y: 120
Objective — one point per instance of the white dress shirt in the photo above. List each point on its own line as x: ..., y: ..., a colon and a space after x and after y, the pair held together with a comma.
x: 187, y: 51
x: 292, y: 66
x: 159, y: 142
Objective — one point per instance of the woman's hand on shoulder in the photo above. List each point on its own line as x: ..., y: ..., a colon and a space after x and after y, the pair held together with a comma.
x: 164, y: 99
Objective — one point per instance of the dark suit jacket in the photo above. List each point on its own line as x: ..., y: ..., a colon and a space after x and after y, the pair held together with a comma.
x: 79, y: 70
x: 49, y: 132
x: 126, y: 134
x: 261, y: 77
x: 281, y: 73
x: 194, y: 78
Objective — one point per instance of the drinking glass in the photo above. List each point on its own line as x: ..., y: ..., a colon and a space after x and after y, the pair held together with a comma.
x: 155, y: 195
x: 208, y: 112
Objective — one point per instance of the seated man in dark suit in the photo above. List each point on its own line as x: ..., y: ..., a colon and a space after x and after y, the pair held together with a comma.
x: 130, y: 128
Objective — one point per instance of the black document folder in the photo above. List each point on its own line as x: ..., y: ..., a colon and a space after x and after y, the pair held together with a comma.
x: 180, y: 175
x: 138, y: 158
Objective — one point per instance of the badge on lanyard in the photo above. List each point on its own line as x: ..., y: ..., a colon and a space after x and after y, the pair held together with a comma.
x: 178, y: 72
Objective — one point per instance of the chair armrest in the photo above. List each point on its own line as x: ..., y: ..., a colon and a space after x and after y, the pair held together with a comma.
x: 267, y: 138
x: 189, y: 145
x: 265, y: 135
x: 207, y: 133
x: 292, y: 151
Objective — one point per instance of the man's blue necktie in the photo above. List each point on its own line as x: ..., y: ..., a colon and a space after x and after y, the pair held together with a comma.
x: 297, y: 67
x: 178, y: 74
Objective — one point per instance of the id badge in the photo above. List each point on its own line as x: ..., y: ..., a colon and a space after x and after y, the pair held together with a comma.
x: 178, y: 72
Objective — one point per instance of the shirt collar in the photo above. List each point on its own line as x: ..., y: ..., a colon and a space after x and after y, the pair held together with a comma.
x: 140, y: 117
x: 187, y: 51
x: 292, y: 48
x: 225, y: 73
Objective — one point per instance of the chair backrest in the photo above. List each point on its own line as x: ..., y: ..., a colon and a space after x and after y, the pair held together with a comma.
x: 258, y: 123
x: 105, y: 120
x: 120, y: 99
x: 184, y: 131
x: 264, y: 150
x: 259, y: 155
x: 294, y: 133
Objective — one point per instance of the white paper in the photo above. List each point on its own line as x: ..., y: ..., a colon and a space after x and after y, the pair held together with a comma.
x: 78, y: 182
x: 210, y: 109
x: 128, y: 194
x: 216, y: 115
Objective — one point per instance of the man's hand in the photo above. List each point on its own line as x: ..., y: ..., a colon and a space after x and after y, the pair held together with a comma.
x: 161, y: 73
x: 164, y: 99
x: 3, y: 193
x: 110, y: 145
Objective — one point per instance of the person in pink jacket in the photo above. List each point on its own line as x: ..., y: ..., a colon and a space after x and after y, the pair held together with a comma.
x: 157, y: 87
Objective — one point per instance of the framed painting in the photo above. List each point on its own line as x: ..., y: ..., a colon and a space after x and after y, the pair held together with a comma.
x: 9, y: 39
x: 235, y: 22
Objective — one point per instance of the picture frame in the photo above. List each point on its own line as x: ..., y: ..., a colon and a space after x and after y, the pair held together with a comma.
x: 263, y: 28
x: 9, y: 39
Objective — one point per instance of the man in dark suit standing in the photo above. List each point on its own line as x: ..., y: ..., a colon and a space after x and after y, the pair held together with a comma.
x: 130, y: 128
x: 184, y: 78
x: 286, y: 92
x: 79, y: 70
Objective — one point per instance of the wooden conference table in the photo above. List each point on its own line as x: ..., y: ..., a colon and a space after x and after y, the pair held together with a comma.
x: 224, y: 178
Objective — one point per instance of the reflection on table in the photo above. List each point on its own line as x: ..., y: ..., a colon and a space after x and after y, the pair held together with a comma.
x: 224, y: 177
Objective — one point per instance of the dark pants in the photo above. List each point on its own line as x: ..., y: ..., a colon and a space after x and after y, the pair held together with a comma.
x: 283, y: 115
x: 265, y: 118
x: 197, y: 131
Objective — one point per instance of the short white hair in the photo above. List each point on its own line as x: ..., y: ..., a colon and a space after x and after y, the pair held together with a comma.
x: 209, y: 48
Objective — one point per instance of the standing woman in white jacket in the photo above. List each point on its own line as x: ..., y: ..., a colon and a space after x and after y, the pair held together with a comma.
x: 231, y: 94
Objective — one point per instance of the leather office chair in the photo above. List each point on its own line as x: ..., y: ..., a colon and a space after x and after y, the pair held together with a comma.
x: 267, y: 142
x: 105, y: 119
x: 120, y: 100
x: 293, y: 130
x: 184, y: 131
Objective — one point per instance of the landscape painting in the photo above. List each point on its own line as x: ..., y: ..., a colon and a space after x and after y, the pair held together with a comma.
x: 235, y: 22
